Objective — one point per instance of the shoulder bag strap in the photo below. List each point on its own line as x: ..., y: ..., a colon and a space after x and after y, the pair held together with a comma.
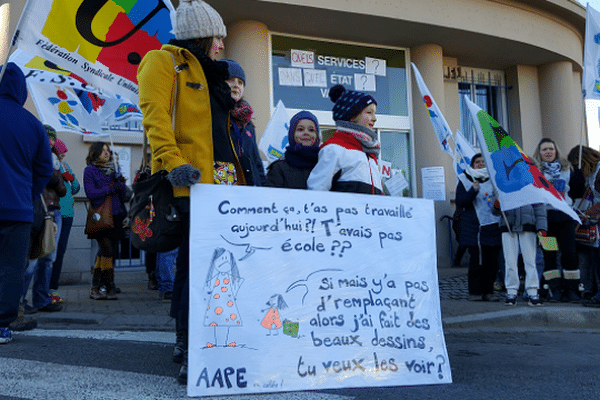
x: 44, y: 204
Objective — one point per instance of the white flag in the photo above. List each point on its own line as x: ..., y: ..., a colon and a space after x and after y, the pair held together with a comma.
x: 463, y: 153
x: 61, y: 108
x: 591, y: 57
x: 275, y: 138
x: 440, y: 126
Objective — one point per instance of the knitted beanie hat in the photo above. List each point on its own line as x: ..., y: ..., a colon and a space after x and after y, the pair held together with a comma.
x: 294, y: 121
x: 235, y: 70
x: 51, y: 131
x: 60, y: 147
x: 196, y: 19
x: 348, y: 103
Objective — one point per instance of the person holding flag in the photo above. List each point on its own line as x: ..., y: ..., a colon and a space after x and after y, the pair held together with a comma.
x: 519, y: 227
x: 558, y: 172
x: 480, y: 232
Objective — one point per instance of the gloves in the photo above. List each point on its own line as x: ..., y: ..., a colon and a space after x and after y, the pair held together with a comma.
x: 497, y: 204
x: 68, y: 177
x: 542, y: 233
x: 184, y: 175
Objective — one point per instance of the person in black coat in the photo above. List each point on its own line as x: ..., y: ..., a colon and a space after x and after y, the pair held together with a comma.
x: 301, y: 155
x: 480, y: 232
x: 242, y: 130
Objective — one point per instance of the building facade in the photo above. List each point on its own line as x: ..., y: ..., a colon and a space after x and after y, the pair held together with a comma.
x: 520, y: 60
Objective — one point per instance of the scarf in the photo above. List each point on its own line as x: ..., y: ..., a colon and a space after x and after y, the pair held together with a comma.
x: 216, y: 72
x: 242, y: 113
x: 480, y: 175
x: 302, y: 157
x: 366, y: 137
x: 107, y: 168
x: 552, y: 169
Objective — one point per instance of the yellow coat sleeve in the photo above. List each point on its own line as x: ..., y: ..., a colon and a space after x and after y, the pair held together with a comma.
x: 157, y: 78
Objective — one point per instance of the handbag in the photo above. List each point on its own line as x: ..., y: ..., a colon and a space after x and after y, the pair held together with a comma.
x: 588, y: 232
x: 154, y: 218
x: 155, y: 224
x: 99, y: 218
x: 44, y: 242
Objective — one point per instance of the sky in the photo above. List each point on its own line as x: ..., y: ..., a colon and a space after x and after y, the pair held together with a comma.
x: 591, y: 106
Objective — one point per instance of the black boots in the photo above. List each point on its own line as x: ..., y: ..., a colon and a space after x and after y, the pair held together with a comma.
x: 182, y: 376
x: 180, y: 346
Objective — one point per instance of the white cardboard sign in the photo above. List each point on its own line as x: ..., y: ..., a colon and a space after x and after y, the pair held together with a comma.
x: 297, y: 290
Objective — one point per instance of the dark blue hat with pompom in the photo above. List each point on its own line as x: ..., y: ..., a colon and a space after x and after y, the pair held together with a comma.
x: 348, y: 103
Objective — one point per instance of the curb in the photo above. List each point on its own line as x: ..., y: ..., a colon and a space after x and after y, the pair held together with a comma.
x: 106, y: 322
x: 554, y: 317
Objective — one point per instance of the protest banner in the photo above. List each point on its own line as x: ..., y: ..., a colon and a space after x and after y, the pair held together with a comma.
x: 297, y: 290
x: 68, y: 102
x: 101, y: 41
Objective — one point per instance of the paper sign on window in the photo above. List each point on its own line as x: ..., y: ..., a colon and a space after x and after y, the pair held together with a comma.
x: 290, y: 76
x: 364, y: 83
x: 375, y: 66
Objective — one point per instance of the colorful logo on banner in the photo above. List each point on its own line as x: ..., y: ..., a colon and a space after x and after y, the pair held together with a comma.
x: 67, y: 109
x: 514, y: 170
x: 115, y: 33
x: 102, y: 41
x: 518, y: 181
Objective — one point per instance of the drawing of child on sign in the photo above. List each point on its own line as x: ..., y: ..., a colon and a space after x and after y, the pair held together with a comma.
x: 222, y: 283
x: 272, y: 320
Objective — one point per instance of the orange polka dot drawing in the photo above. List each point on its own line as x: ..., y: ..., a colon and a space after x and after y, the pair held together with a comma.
x: 222, y: 284
x: 272, y: 320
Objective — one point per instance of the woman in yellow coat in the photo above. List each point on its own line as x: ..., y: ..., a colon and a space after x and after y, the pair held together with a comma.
x: 186, y: 102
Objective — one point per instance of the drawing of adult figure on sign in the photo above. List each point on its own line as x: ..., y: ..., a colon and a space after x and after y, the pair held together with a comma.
x: 222, y: 284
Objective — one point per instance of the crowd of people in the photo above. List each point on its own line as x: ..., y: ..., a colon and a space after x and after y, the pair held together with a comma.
x: 569, y: 274
x: 200, y: 129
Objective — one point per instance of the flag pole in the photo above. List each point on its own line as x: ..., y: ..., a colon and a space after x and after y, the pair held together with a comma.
x: 583, y: 129
x: 15, y: 37
x: 4, y: 25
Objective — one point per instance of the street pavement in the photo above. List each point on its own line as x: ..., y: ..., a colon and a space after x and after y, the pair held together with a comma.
x: 139, y: 309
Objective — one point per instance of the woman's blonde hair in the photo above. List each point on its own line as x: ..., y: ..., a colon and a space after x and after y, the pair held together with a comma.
x: 589, y: 159
x: 537, y: 156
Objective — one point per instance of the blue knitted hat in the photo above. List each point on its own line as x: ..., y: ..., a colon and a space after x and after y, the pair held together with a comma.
x: 235, y: 70
x: 294, y: 121
x: 348, y: 103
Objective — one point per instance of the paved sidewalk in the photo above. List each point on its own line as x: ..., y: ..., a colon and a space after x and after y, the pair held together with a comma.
x: 139, y: 309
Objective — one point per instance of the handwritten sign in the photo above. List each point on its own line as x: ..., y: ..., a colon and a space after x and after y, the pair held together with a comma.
x: 302, y: 59
x: 290, y: 76
x: 295, y: 290
x: 375, y: 66
x: 315, y: 78
x: 365, y: 82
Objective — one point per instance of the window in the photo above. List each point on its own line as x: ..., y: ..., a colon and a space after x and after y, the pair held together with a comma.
x: 487, y: 89
x: 303, y: 70
x: 395, y: 148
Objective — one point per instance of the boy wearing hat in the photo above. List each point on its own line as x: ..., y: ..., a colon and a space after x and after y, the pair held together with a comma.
x: 348, y: 161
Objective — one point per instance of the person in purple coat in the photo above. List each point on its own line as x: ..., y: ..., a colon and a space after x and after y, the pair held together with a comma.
x: 102, y: 179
